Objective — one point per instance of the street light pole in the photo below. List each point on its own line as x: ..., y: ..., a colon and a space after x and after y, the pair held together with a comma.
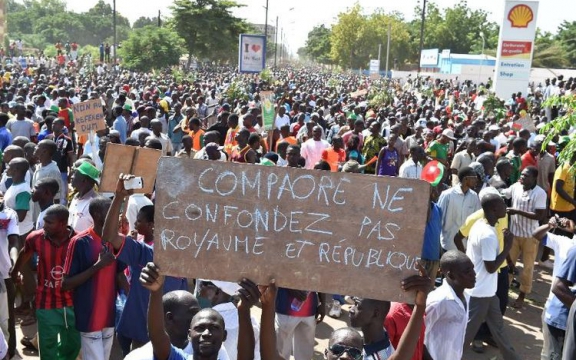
x: 266, y: 29
x: 114, y: 26
x: 481, y: 59
x: 422, y: 31
x: 276, y: 42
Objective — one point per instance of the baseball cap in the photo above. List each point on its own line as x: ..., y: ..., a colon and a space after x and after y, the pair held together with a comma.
x: 449, y: 134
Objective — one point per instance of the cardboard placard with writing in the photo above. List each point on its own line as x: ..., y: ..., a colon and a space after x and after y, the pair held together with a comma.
x: 525, y: 122
x: 124, y: 159
x: 357, y: 93
x: 338, y: 233
x: 88, y: 116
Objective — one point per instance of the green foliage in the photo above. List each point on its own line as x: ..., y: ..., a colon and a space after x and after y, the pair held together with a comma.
x: 50, y: 20
x: 494, y: 106
x: 562, y: 123
x: 567, y: 38
x: 318, y: 45
x: 151, y: 47
x: 90, y: 49
x: 236, y: 91
x: 143, y: 21
x: 548, y: 51
x: 208, y: 28
x: 266, y: 75
x: 456, y: 28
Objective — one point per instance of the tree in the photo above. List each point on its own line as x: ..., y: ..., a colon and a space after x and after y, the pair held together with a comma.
x: 456, y: 28
x: 548, y: 51
x: 346, y: 38
x: 151, y: 47
x: 208, y: 28
x: 143, y: 21
x: 355, y: 38
x: 318, y: 45
x: 567, y: 38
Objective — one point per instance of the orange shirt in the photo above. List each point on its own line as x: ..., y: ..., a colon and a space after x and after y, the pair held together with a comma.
x: 230, y: 141
x: 290, y: 140
x: 197, y: 139
x: 334, y: 157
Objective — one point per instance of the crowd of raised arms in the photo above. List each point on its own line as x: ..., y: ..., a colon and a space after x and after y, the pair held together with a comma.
x: 79, y: 262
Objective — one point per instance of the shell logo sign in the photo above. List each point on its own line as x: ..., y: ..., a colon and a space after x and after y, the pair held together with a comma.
x: 520, y: 16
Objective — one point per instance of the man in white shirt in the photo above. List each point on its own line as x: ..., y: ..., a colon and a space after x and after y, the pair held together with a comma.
x: 484, y: 251
x: 447, y: 307
x: 281, y: 118
x: 457, y: 203
x: 312, y: 149
x: 561, y: 245
x: 411, y: 168
x: 163, y: 138
x: 528, y: 208
x: 462, y: 159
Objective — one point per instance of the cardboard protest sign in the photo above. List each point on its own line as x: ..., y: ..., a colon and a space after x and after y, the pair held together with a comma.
x: 357, y: 93
x: 124, y: 159
x: 338, y: 233
x: 88, y: 116
x: 525, y: 122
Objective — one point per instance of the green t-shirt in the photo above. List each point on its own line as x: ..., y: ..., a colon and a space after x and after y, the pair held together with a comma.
x: 438, y: 150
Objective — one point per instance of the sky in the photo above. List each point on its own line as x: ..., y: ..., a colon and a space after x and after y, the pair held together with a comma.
x: 297, y: 17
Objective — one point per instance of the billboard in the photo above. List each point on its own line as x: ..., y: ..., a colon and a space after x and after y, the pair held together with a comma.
x: 252, y: 53
x: 429, y: 58
x: 374, y: 66
x: 515, y: 47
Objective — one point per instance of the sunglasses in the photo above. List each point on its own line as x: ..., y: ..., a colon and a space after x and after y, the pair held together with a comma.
x: 339, y: 350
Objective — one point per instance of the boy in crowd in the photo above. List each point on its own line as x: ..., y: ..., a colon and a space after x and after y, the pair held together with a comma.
x: 447, y: 308
x: 134, y: 254
x: 484, y: 251
x: 57, y: 334
x: 369, y: 315
x: 90, y: 272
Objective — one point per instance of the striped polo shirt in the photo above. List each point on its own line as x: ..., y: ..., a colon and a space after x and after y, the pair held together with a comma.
x: 525, y: 200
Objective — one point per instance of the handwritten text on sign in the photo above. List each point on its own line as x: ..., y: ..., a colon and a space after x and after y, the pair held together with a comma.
x: 88, y: 116
x: 311, y: 230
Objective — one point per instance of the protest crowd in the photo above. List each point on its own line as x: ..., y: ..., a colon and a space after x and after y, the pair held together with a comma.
x: 79, y: 262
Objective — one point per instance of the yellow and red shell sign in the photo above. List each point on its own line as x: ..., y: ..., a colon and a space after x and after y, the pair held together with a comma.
x: 520, y: 16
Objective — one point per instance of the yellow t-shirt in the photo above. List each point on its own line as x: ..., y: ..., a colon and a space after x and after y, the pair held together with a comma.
x: 557, y: 203
x: 500, y: 226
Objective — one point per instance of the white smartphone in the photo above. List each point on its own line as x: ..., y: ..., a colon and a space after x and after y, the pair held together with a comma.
x: 134, y: 183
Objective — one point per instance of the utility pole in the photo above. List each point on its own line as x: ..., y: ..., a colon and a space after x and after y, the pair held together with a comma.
x: 114, y: 26
x: 422, y: 31
x: 276, y: 42
x: 266, y: 29
x: 159, y: 19
x: 388, y: 48
x: 379, y: 51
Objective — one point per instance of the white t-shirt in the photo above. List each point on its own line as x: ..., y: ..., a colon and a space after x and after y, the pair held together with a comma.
x: 483, y: 246
x: 8, y: 226
x: 560, y: 244
x: 135, y: 203
x: 281, y: 121
x: 27, y: 224
x: 312, y: 151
